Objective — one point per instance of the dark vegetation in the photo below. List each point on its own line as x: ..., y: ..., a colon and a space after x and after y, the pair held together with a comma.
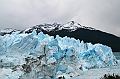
x: 108, y: 76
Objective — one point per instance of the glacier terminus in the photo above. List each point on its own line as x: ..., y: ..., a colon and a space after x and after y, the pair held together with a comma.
x: 40, y: 56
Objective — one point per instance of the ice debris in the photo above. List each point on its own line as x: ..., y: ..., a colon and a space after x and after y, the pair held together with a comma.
x: 37, y: 56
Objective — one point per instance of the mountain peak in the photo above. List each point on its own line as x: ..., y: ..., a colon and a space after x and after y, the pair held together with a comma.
x: 8, y: 31
x: 71, y: 22
x: 70, y: 26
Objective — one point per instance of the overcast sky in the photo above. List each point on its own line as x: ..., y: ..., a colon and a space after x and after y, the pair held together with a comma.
x: 99, y: 14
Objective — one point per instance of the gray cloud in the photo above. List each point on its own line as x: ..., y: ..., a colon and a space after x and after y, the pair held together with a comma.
x: 100, y: 14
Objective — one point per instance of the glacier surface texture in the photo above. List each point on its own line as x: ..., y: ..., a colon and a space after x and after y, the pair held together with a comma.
x: 37, y: 56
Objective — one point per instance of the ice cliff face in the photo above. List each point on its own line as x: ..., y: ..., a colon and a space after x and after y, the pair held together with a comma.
x: 36, y: 56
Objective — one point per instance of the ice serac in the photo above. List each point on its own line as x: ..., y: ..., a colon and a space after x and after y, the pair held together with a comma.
x: 36, y: 56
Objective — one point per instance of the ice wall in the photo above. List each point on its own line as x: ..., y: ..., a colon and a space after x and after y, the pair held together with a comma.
x: 32, y: 56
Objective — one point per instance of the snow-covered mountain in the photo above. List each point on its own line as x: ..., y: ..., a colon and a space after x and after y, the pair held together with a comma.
x: 8, y: 31
x: 70, y: 26
x: 40, y: 56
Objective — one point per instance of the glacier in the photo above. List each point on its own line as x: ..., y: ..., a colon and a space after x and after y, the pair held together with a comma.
x: 37, y: 56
